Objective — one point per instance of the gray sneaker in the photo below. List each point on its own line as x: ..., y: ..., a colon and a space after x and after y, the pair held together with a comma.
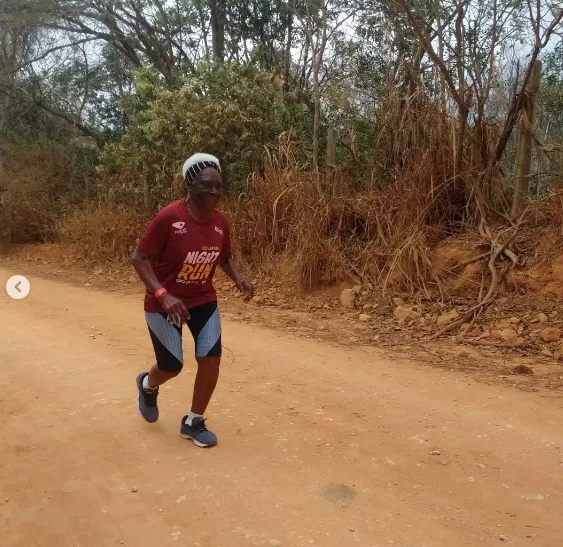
x: 146, y: 403
x: 198, y: 433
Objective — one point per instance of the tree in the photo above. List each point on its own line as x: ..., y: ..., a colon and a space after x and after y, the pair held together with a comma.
x: 232, y: 111
x: 320, y: 22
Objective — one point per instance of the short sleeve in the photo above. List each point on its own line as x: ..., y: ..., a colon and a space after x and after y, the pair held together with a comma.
x: 226, y: 249
x: 153, y: 241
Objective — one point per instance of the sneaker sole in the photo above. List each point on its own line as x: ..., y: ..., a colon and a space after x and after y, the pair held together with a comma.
x: 197, y: 443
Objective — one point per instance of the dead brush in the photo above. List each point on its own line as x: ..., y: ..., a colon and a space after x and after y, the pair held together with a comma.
x: 27, y: 214
x: 321, y: 230
x: 540, y: 239
x: 36, y: 184
x: 103, y: 233
x: 548, y: 212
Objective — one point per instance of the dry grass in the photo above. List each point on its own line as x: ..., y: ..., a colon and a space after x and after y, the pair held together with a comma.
x: 103, y: 234
x: 318, y: 228
x: 543, y: 234
x: 26, y: 213
x: 315, y: 228
x: 36, y: 185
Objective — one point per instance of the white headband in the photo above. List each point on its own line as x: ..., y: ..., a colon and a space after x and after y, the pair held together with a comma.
x: 197, y: 163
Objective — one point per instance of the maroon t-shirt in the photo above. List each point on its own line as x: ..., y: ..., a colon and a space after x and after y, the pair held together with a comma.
x: 184, y: 254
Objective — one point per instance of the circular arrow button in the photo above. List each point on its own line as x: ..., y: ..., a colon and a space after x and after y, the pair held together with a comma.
x: 18, y: 287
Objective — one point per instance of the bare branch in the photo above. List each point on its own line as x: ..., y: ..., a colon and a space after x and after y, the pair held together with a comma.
x: 418, y: 24
x: 518, y: 100
x: 48, y: 52
x: 89, y: 131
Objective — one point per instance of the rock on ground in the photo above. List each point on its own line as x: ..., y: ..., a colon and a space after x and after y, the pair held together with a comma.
x: 506, y: 335
x: 447, y: 318
x: 348, y: 298
x: 550, y: 334
x: 405, y: 314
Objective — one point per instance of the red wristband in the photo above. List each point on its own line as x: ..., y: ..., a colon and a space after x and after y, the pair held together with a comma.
x: 160, y: 292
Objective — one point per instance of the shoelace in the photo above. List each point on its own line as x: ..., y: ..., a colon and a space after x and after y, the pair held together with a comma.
x: 200, y: 426
x: 150, y: 397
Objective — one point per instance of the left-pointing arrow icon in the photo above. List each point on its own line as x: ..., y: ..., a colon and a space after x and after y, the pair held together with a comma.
x: 18, y: 287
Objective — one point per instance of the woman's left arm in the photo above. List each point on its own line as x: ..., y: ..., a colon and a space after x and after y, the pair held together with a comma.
x: 228, y: 265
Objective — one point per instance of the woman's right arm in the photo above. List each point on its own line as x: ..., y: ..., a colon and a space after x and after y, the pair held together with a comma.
x: 142, y: 264
x: 172, y: 305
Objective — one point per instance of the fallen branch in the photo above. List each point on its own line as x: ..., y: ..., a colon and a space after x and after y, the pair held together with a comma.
x: 449, y: 327
x: 508, y: 253
x: 361, y: 277
x: 496, y: 250
x: 490, y: 344
x: 467, y: 262
x: 546, y: 147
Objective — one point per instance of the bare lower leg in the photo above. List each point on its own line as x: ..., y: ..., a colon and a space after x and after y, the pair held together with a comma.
x: 205, y: 382
x: 158, y: 377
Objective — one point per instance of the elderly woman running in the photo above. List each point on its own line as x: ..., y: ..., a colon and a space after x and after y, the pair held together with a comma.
x: 176, y: 258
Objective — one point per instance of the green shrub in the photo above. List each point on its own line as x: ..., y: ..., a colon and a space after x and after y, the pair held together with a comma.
x: 229, y: 110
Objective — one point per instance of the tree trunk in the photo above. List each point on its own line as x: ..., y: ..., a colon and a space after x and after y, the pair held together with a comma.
x: 289, y: 43
x: 317, y: 113
x: 217, y: 8
x: 525, y: 140
x: 318, y: 55
x: 330, y: 157
x: 463, y: 105
x: 441, y: 78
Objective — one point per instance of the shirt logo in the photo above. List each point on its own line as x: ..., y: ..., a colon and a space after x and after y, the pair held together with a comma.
x: 218, y: 230
x: 179, y: 227
x: 198, y: 266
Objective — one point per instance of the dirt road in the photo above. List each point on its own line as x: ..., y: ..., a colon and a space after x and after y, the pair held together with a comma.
x: 318, y: 445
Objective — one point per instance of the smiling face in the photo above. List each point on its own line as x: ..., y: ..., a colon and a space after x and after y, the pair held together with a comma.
x: 207, y: 189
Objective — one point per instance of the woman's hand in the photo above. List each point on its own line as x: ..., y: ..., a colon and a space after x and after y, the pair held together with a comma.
x: 246, y: 288
x: 174, y: 307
